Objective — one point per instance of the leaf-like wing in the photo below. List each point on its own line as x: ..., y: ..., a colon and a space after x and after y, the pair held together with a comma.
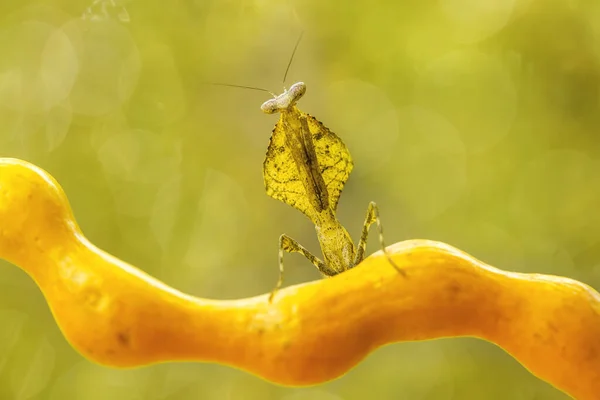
x: 282, y: 179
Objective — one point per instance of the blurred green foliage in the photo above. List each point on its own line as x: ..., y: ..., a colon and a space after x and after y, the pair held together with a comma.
x: 475, y: 123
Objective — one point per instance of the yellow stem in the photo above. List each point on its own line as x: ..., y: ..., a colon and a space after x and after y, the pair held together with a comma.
x: 116, y: 315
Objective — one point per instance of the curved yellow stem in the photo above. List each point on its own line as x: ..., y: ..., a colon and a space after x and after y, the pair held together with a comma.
x: 116, y: 315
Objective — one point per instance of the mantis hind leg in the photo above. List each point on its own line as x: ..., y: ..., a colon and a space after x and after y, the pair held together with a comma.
x: 287, y: 244
x: 373, y: 217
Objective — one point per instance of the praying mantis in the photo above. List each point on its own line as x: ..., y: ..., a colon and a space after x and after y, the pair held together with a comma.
x: 306, y: 167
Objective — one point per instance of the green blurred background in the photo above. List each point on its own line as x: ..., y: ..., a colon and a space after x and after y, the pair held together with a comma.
x: 470, y: 122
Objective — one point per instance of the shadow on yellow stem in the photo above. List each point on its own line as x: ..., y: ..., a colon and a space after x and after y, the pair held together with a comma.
x: 116, y: 315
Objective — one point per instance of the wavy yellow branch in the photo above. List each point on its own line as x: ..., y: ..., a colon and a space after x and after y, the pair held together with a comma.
x: 116, y: 315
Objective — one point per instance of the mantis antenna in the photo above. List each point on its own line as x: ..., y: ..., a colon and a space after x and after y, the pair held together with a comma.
x: 292, y: 57
x: 241, y: 87
x: 261, y: 89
